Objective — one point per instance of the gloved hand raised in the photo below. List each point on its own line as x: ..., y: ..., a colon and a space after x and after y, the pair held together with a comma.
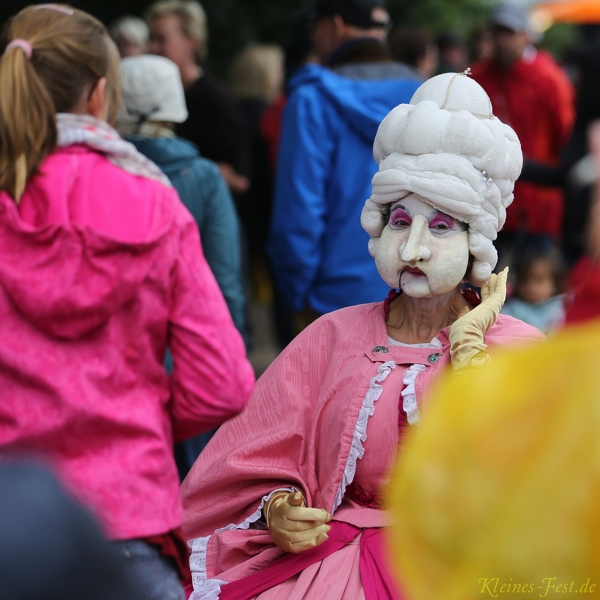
x: 292, y: 526
x: 467, y: 346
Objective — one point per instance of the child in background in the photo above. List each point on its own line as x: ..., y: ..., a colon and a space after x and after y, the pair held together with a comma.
x: 538, y: 297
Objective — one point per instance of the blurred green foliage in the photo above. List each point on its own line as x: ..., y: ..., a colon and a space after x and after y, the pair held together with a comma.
x: 560, y: 39
x: 458, y: 16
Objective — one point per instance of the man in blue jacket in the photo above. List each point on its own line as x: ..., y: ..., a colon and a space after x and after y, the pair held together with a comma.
x: 317, y: 247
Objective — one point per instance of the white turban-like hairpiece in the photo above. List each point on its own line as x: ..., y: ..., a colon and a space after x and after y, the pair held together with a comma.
x: 448, y: 148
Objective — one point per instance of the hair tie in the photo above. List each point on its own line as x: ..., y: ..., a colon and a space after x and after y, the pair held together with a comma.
x: 20, y: 43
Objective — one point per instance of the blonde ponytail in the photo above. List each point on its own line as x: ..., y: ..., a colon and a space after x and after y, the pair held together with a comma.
x: 27, y: 122
x: 56, y: 55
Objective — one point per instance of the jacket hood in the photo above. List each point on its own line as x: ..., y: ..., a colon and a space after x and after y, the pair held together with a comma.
x: 172, y: 154
x: 361, y: 103
x: 81, y: 241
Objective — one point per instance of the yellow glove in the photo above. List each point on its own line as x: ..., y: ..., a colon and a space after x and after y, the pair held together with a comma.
x: 292, y: 526
x: 467, y: 346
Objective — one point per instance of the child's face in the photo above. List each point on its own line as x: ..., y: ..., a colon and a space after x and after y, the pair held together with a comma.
x: 538, y: 285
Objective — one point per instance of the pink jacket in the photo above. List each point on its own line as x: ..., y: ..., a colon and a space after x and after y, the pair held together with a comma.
x: 305, y: 426
x: 101, y: 270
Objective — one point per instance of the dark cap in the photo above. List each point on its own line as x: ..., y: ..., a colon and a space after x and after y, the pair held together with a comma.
x: 353, y: 12
x: 511, y: 16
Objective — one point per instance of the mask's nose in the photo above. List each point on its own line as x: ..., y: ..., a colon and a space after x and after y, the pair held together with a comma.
x: 417, y: 246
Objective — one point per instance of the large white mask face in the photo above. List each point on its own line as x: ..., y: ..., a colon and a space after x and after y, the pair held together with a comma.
x: 421, y: 250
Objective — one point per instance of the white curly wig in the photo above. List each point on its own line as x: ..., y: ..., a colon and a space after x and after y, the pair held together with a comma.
x: 447, y: 148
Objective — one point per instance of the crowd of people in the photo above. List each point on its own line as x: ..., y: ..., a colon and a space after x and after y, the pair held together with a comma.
x: 383, y: 190
x: 292, y: 172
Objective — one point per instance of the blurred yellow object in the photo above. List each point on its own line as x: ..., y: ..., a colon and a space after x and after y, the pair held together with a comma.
x: 497, y: 492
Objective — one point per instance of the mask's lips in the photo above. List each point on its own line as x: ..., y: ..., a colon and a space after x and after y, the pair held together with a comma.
x: 413, y: 270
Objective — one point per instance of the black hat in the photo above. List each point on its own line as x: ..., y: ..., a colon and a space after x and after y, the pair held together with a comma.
x: 353, y: 12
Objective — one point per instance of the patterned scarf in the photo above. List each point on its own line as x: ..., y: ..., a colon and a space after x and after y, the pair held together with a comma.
x: 100, y: 136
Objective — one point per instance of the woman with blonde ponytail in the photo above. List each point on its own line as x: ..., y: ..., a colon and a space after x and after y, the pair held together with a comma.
x: 100, y: 271
x: 47, y: 61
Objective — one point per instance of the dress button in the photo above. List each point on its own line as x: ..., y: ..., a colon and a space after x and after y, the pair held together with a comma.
x: 380, y: 349
x: 432, y: 358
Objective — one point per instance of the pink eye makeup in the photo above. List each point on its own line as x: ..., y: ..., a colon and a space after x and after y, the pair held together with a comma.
x: 399, y: 218
x: 442, y: 222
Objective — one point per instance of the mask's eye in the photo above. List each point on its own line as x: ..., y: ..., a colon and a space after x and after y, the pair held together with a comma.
x: 399, y: 219
x: 442, y: 223
x: 441, y: 227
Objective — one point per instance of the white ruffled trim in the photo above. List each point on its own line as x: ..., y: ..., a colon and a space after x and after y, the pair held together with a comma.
x: 209, y: 589
x: 409, y: 395
x: 360, y: 431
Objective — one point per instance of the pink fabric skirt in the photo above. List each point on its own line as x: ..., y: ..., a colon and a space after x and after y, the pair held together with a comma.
x: 350, y: 565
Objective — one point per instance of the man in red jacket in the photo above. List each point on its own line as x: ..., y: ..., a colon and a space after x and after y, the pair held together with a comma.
x: 533, y: 95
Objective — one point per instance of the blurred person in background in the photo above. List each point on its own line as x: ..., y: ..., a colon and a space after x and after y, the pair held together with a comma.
x: 130, y: 34
x: 585, y: 277
x: 154, y: 102
x: 325, y: 163
x: 51, y: 548
x: 577, y: 191
x: 531, y: 93
x: 452, y: 54
x: 538, y: 295
x: 415, y: 48
x: 101, y: 272
x: 481, y: 45
x: 179, y: 32
x: 298, y: 53
x: 256, y: 82
x: 215, y: 123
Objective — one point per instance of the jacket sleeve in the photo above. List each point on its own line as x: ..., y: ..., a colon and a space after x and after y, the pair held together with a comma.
x: 299, y: 210
x: 559, y: 98
x: 266, y: 447
x: 212, y: 378
x: 221, y: 244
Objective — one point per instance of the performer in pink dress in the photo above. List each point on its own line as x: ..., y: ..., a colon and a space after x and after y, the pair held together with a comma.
x: 285, y: 501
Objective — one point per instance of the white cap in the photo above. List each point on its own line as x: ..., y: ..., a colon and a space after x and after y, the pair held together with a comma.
x: 152, y: 90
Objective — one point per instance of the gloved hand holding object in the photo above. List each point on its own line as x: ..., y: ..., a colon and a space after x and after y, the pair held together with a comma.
x: 292, y: 526
x: 467, y: 346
